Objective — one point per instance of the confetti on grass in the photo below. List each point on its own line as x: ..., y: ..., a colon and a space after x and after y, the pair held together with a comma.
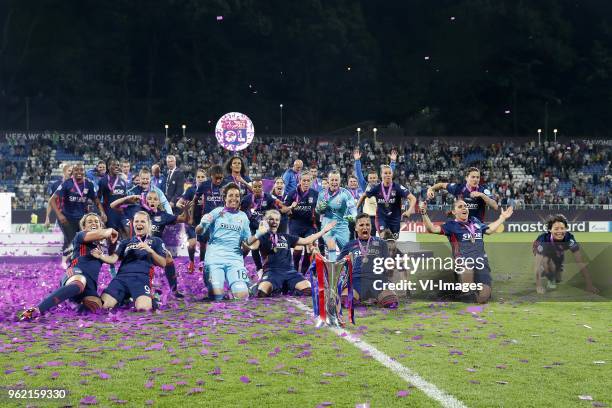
x: 89, y: 400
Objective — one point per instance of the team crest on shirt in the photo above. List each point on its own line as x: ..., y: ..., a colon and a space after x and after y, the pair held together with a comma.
x: 468, y: 237
x: 85, y: 190
x: 157, y: 218
x: 310, y: 200
x: 376, y: 243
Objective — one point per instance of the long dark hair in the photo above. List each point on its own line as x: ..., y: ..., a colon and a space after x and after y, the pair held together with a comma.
x: 243, y: 168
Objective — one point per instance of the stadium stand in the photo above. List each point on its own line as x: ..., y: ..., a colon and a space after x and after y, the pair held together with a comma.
x: 575, y: 172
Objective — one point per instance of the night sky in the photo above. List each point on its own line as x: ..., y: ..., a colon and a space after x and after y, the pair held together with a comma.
x: 462, y: 67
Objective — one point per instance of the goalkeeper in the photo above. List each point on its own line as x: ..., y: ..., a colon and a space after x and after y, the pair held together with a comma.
x: 336, y: 204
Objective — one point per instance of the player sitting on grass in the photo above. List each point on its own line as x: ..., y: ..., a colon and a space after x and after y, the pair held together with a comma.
x: 80, y: 283
x: 465, y: 234
x: 159, y: 221
x: 368, y: 251
x: 229, y: 230
x: 138, y: 256
x: 549, y: 250
x: 275, y: 248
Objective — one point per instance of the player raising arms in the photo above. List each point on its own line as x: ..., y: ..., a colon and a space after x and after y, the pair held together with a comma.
x: 369, y: 204
x: 275, y: 248
x: 278, y: 193
x: 549, y: 250
x: 80, y: 283
x: 389, y: 196
x: 476, y: 197
x: 356, y: 192
x: 237, y: 173
x: 302, y: 218
x: 229, y: 229
x: 138, y: 256
x: 113, y: 187
x: 367, y: 285
x: 465, y: 233
x: 187, y: 197
x: 73, y: 195
x: 336, y: 203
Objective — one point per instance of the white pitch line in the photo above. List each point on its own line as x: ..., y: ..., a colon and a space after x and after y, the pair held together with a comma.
x: 446, y: 400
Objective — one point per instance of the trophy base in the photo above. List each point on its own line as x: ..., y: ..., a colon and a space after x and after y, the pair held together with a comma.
x: 333, y: 322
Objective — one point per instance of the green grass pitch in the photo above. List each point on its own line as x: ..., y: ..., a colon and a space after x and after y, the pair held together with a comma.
x: 518, y: 351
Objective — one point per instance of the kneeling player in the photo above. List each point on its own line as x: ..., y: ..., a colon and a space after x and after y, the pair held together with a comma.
x: 368, y: 285
x: 80, y: 283
x: 549, y: 250
x: 138, y: 256
x: 465, y: 235
x: 275, y: 247
x: 159, y: 221
x: 228, y: 230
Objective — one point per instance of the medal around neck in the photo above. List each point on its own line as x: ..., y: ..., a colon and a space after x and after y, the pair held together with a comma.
x: 234, y: 131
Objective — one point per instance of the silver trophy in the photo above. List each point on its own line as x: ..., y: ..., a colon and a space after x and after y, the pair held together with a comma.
x: 332, y: 273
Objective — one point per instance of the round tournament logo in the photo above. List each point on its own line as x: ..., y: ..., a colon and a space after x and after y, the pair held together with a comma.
x: 234, y: 131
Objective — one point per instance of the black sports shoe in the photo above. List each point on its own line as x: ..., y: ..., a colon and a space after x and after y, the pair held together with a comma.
x: 178, y: 294
x: 27, y: 314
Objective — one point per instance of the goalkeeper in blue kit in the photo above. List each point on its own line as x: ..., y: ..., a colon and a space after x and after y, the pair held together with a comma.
x: 336, y: 204
x: 228, y: 229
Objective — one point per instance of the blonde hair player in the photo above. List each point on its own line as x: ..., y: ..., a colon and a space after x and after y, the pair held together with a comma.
x: 139, y: 255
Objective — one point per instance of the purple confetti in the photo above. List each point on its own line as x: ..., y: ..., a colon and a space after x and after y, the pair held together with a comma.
x: 244, y: 379
x: 167, y: 387
x: 402, y: 393
x: 89, y: 400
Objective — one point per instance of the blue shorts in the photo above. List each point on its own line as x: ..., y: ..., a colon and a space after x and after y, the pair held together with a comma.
x: 391, y: 224
x: 340, y: 234
x: 282, y: 281
x: 365, y: 286
x: 483, y: 275
x: 233, y: 271
x: 132, y: 286
x: 301, y: 229
x: 115, y: 220
x: 91, y: 286
x: 282, y: 227
x: 190, y: 231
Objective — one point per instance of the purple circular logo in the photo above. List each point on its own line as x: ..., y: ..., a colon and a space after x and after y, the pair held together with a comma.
x: 234, y: 131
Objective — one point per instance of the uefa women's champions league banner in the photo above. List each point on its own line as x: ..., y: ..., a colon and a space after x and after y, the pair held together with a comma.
x: 17, y: 137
